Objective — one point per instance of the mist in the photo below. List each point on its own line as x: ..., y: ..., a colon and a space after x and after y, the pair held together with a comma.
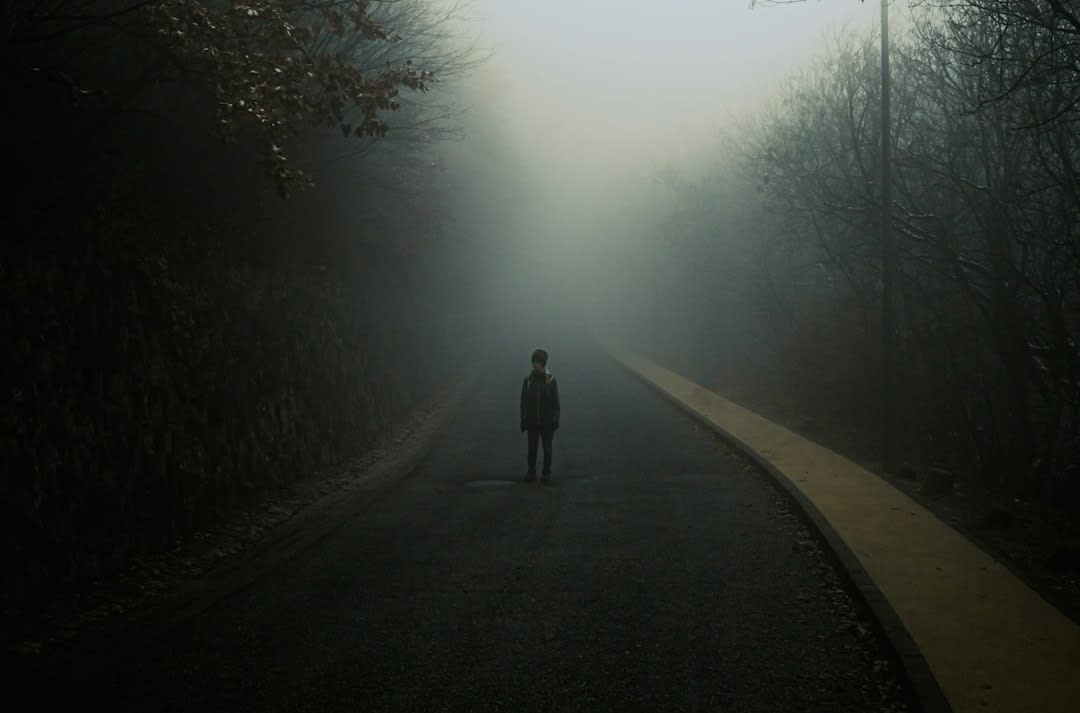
x: 589, y: 102
x: 495, y: 355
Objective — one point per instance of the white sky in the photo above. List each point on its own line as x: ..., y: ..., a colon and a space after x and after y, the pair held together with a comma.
x: 596, y: 94
x: 601, y: 78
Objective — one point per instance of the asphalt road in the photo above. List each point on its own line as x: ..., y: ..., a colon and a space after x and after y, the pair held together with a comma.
x: 657, y: 573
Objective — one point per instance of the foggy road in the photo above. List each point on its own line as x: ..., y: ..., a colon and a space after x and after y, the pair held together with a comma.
x: 272, y: 273
x: 654, y: 574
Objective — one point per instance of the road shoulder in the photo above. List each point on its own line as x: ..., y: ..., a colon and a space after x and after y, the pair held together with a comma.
x: 971, y: 636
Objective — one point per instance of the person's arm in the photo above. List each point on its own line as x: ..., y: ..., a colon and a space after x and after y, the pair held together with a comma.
x: 524, y: 391
x: 554, y: 404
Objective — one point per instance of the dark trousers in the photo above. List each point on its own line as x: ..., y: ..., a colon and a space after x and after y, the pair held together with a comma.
x: 540, y: 434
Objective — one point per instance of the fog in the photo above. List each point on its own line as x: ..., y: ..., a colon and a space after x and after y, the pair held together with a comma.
x: 612, y: 81
x: 579, y: 106
x: 276, y: 264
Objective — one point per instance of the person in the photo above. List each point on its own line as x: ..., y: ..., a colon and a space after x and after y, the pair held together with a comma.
x: 539, y: 413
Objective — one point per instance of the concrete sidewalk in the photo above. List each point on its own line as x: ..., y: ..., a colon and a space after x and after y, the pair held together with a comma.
x: 991, y: 642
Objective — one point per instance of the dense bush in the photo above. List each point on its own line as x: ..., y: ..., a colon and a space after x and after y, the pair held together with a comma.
x: 147, y: 394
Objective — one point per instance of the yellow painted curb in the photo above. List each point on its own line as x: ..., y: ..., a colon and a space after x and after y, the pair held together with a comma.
x: 992, y: 643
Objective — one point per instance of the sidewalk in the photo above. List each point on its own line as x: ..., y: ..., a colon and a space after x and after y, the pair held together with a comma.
x: 992, y: 643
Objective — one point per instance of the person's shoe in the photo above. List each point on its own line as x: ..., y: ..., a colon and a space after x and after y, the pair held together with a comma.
x: 530, y: 477
x: 545, y: 478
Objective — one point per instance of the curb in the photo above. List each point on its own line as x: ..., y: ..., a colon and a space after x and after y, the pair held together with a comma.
x: 858, y: 583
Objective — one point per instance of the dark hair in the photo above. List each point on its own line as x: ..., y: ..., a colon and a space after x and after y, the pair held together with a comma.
x: 540, y: 357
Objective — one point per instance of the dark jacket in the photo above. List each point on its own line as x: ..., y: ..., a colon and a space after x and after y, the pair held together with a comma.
x: 540, y: 402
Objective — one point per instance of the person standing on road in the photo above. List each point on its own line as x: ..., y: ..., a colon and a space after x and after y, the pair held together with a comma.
x: 539, y: 413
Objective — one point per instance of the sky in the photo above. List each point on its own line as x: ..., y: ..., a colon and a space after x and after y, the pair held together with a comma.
x: 595, y: 96
x: 608, y: 78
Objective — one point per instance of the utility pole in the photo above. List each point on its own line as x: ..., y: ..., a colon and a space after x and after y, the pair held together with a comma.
x: 888, y: 258
x: 888, y: 265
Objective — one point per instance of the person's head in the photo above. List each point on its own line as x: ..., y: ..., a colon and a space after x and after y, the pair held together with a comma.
x: 539, y: 360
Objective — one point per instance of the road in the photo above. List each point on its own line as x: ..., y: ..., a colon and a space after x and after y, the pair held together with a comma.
x: 657, y: 573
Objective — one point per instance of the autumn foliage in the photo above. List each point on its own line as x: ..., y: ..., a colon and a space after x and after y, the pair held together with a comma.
x: 278, y: 64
